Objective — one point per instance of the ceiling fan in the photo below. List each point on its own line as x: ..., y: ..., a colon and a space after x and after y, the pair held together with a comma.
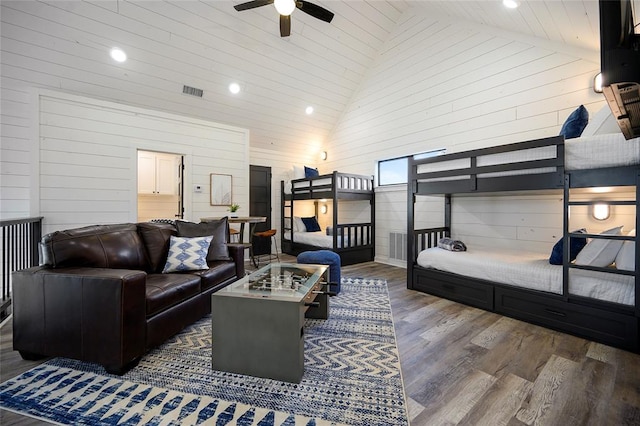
x: 285, y: 8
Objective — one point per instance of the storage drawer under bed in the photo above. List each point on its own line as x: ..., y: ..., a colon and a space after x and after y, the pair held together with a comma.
x: 616, y: 329
x: 454, y: 287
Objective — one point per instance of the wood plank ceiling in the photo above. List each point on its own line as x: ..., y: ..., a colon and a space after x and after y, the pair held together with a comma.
x: 208, y: 45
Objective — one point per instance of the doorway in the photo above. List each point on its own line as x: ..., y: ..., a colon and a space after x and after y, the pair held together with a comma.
x: 260, y: 205
x: 160, y: 186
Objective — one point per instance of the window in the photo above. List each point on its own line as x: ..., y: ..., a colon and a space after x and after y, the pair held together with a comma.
x: 394, y: 170
x: 391, y: 172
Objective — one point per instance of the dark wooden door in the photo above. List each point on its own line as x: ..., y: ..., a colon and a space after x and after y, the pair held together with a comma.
x: 260, y: 204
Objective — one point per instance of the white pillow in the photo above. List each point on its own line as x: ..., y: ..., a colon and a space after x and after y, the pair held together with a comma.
x: 626, y: 258
x: 600, y: 252
x: 187, y: 254
x: 298, y: 225
x: 298, y: 172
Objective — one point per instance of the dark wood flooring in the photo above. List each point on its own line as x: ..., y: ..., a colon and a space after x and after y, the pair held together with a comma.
x: 465, y: 366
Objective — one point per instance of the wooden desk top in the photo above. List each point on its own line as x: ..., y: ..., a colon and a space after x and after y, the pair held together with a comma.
x: 239, y: 219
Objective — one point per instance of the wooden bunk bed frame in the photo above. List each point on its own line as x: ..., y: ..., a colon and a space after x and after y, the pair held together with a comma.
x: 605, y: 322
x: 358, y: 239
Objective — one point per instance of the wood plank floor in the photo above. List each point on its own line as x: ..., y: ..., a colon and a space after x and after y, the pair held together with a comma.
x: 465, y: 366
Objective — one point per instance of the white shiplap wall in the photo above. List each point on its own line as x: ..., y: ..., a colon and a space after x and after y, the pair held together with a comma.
x: 440, y: 83
x: 87, y: 169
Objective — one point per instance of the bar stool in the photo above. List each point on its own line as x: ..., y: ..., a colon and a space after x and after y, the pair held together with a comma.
x: 256, y: 254
x: 234, y: 235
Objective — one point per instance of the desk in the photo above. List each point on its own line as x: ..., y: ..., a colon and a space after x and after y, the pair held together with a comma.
x: 251, y: 220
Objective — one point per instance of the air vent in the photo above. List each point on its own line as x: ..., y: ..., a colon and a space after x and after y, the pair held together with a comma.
x: 397, y: 245
x: 192, y: 91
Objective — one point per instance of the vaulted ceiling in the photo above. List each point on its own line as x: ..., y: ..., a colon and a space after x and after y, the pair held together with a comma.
x: 208, y: 45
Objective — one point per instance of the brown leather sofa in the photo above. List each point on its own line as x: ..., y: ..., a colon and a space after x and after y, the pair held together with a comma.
x: 100, y: 295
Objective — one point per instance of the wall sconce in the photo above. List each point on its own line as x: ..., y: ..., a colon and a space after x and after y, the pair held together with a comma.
x: 601, y: 211
x: 323, y: 209
x: 323, y: 155
x: 597, y: 83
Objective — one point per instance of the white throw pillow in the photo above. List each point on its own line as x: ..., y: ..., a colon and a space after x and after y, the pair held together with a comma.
x: 601, y: 252
x: 187, y: 254
x: 626, y: 258
x: 298, y: 225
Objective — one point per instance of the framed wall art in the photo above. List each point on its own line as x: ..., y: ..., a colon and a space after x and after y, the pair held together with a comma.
x: 221, y: 190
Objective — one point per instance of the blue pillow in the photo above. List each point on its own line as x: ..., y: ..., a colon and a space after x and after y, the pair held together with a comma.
x: 310, y: 172
x: 575, y: 124
x: 576, y: 244
x: 311, y: 223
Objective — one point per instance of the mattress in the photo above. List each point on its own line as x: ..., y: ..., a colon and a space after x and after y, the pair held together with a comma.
x: 317, y: 239
x: 531, y: 271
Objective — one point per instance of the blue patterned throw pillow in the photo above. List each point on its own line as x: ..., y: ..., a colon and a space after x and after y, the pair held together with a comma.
x: 187, y: 254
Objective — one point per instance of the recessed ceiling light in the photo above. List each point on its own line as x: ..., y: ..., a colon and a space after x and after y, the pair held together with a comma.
x: 309, y: 110
x: 511, y: 4
x: 234, y: 88
x: 118, y: 54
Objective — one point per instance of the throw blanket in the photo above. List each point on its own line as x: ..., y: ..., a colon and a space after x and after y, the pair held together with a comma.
x: 451, y: 245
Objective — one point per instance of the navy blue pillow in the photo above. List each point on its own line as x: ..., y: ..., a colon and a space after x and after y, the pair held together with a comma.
x: 311, y: 223
x: 575, y: 124
x: 576, y: 244
x: 310, y: 172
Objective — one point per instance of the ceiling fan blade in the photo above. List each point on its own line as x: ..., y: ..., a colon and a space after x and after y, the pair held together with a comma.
x: 285, y: 25
x: 314, y: 10
x: 252, y: 4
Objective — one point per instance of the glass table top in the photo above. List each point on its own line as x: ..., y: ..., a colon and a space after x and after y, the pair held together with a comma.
x: 278, y: 281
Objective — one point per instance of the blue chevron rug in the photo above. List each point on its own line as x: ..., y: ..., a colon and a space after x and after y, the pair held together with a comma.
x: 352, y: 376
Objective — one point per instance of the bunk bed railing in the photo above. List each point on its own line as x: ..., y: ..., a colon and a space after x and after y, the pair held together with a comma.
x: 354, y: 235
x: 536, y: 164
x: 327, y: 186
x: 427, y: 238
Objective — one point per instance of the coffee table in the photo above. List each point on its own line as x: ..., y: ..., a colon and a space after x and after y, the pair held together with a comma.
x: 257, y: 322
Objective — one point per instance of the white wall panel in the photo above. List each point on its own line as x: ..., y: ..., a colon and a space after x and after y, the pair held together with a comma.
x: 442, y: 83
x: 88, y: 155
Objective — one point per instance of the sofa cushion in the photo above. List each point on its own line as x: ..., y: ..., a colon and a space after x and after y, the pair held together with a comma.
x: 98, y: 246
x: 187, y: 254
x: 156, y: 238
x: 219, y: 229
x: 166, y: 290
x: 219, y: 271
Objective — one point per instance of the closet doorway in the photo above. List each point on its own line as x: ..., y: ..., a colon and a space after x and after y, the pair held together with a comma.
x: 160, y: 186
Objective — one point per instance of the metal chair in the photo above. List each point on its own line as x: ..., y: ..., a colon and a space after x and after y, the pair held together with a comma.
x: 262, y: 246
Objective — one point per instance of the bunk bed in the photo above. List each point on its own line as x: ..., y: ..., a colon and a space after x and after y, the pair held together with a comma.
x: 595, y: 302
x: 354, y: 242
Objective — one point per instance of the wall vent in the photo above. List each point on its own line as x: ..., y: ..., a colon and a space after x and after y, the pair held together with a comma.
x: 397, y: 245
x: 188, y: 90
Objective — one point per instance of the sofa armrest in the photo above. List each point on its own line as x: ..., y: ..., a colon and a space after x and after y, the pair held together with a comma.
x: 236, y: 252
x: 90, y: 314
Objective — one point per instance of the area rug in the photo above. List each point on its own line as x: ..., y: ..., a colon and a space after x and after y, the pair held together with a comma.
x: 352, y: 376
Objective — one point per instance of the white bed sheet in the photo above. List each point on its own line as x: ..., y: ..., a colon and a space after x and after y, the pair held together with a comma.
x: 529, y: 270
x: 317, y: 239
x: 597, y: 151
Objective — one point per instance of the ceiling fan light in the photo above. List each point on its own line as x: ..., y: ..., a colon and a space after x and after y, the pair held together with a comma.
x: 285, y: 7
